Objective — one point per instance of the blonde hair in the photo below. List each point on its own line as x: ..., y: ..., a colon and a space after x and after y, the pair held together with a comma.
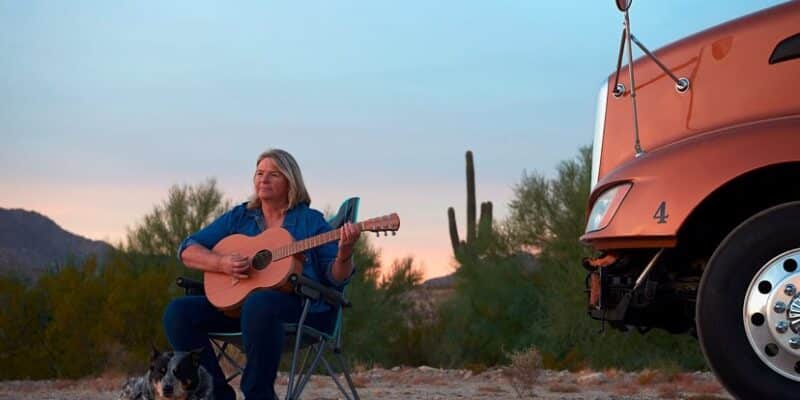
x: 291, y: 171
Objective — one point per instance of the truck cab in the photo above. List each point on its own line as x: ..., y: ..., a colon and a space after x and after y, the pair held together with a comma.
x: 694, y: 211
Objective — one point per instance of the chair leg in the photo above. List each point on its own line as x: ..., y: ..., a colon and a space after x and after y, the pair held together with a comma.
x: 302, y: 368
x: 332, y: 374
x: 298, y: 338
x: 220, y: 348
x: 343, y: 366
x: 337, y: 351
x: 308, y: 351
x: 307, y: 374
x: 222, y: 353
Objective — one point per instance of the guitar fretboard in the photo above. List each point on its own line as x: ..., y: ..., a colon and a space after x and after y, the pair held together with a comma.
x: 309, y: 243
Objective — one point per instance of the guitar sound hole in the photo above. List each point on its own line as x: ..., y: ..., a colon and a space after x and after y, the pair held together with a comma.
x: 261, y: 259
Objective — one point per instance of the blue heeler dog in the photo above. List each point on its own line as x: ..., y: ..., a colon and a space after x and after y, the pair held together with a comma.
x: 174, y: 375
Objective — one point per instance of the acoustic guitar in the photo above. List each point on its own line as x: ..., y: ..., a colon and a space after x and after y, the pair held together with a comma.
x: 274, y: 256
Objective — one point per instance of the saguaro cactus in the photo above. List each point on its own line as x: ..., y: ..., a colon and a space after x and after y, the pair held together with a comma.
x: 477, y: 239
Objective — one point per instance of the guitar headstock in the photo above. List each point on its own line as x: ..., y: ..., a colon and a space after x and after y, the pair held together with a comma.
x: 386, y: 223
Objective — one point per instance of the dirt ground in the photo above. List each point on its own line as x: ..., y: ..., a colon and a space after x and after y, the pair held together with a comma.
x: 426, y: 383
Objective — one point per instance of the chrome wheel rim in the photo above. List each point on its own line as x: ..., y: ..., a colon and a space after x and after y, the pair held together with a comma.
x: 771, y: 314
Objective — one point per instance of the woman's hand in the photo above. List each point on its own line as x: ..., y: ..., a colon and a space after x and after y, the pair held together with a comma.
x: 349, y: 236
x: 235, y: 265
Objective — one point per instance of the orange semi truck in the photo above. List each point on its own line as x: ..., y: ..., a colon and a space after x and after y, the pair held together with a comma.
x: 695, y: 201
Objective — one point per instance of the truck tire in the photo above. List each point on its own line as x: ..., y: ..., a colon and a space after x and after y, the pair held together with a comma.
x: 748, y: 306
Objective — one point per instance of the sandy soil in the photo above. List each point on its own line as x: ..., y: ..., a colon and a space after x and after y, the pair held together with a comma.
x: 435, y: 384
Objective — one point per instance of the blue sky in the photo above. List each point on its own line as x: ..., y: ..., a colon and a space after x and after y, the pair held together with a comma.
x: 105, y: 105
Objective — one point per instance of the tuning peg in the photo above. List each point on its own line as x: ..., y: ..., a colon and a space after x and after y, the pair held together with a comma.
x: 378, y: 234
x: 394, y: 233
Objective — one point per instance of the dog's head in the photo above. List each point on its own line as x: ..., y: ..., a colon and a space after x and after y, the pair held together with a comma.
x: 174, y: 374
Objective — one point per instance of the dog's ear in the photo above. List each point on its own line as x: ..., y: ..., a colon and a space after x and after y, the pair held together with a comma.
x: 155, y: 353
x: 196, y: 356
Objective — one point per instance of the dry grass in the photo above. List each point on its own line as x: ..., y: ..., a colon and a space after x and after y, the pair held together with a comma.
x: 359, y: 367
x: 491, y: 389
x: 650, y: 377
x: 476, y: 368
x: 613, y: 374
x: 625, y: 389
x: 667, y: 391
x: 524, y: 371
x: 395, y: 378
x: 103, y: 384
x: 63, y: 384
x: 704, y: 388
x: 564, y: 388
x: 684, y: 379
x: 360, y: 381
x: 424, y: 379
x: 435, y: 384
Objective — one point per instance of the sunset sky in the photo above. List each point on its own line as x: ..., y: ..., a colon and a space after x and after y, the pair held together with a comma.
x: 105, y: 105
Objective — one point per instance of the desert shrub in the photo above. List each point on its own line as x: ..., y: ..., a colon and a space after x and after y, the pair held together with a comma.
x: 22, y: 325
x: 72, y: 297
x: 489, y: 313
x: 376, y: 327
x: 138, y: 288
x: 523, y: 371
x: 84, y: 318
x: 186, y: 210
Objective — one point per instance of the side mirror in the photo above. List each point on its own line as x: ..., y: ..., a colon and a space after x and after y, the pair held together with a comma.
x: 624, y: 5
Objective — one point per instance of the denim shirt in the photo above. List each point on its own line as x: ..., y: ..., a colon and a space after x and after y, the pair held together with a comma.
x: 301, y: 222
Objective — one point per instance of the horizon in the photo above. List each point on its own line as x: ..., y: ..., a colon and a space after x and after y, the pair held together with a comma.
x: 108, y: 105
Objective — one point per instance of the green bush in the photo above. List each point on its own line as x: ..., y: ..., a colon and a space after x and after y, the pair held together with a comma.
x: 82, y: 318
x: 22, y: 325
x: 376, y: 327
x: 490, y: 313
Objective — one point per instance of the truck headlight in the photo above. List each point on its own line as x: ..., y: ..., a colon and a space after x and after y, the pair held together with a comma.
x: 599, y: 128
x: 606, y: 206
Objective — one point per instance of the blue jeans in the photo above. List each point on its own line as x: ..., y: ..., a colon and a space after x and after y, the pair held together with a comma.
x: 187, y: 320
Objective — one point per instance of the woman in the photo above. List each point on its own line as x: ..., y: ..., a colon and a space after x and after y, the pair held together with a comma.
x: 280, y: 199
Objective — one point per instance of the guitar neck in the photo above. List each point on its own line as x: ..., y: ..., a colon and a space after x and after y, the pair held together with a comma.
x: 309, y: 243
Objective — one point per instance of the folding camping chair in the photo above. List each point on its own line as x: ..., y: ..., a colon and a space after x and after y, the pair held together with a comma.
x: 299, y: 335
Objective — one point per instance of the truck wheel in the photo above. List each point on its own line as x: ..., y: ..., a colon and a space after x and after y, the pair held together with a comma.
x: 748, y: 307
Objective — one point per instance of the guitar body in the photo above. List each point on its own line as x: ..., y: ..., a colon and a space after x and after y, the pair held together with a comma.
x: 274, y: 256
x: 228, y: 293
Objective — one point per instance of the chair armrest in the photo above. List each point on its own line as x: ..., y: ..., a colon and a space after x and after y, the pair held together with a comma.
x: 315, y: 290
x: 302, y: 286
x: 190, y: 286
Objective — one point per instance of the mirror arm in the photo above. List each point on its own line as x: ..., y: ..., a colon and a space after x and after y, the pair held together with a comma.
x: 619, y: 89
x: 637, y: 147
x: 681, y: 84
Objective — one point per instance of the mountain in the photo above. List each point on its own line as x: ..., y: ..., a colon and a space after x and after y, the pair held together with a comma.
x: 441, y: 282
x: 524, y: 259
x: 31, y: 244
